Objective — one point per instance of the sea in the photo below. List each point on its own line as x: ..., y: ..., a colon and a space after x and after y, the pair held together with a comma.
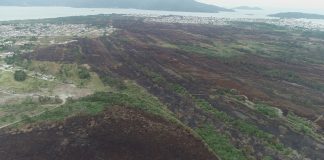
x: 8, y: 13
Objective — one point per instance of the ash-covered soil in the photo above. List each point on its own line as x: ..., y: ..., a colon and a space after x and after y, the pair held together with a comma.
x: 120, y: 133
x: 147, y: 53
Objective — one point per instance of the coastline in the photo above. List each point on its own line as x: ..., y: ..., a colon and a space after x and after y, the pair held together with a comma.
x: 12, y: 13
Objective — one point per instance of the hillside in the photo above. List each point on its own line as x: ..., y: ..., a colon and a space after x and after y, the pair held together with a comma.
x: 116, y: 134
x: 153, y: 90
x: 247, y: 8
x: 297, y: 15
x: 167, y: 5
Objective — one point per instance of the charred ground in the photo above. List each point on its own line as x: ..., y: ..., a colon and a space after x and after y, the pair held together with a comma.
x: 119, y: 133
x: 260, y: 87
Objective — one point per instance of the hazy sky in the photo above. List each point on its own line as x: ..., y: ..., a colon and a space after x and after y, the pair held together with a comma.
x: 298, y: 4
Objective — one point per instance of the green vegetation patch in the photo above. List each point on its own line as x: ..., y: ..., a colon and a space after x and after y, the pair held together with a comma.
x: 8, y: 82
x: 267, y: 110
x: 220, y: 144
x: 11, y: 113
x: 14, y: 59
x: 303, y: 125
x: 133, y: 96
x: 83, y: 73
x: 80, y: 75
x: 243, y: 126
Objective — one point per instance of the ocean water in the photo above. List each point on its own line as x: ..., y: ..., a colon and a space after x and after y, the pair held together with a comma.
x: 23, y: 13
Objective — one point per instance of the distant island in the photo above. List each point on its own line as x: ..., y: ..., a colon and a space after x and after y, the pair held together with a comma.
x: 247, y: 8
x: 297, y: 15
x: 166, y: 5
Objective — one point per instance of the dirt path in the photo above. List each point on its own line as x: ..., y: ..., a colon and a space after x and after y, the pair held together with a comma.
x: 63, y: 91
x: 5, y: 92
x: 35, y: 115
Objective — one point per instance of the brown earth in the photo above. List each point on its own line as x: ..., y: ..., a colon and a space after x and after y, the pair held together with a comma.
x: 120, y: 133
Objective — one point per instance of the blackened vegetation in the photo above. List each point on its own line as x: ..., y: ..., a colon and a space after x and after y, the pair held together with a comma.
x: 218, y: 86
x: 120, y: 133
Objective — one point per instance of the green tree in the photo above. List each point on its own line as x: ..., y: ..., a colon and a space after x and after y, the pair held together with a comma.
x: 10, y: 60
x: 20, y: 75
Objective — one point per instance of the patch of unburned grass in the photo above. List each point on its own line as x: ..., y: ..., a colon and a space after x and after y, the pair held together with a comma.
x: 44, y: 67
x: 132, y: 96
x: 267, y: 110
x: 303, y: 125
x: 31, y: 84
x: 220, y: 144
x: 68, y: 73
x: 96, y: 83
x: 15, y: 112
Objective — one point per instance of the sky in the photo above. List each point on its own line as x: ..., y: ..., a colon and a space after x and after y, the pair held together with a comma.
x: 296, y: 4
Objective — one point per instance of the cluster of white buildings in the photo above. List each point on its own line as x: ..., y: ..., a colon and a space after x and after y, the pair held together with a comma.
x: 291, y: 23
x: 30, y: 34
x: 15, y: 35
x: 188, y: 20
x: 50, y: 30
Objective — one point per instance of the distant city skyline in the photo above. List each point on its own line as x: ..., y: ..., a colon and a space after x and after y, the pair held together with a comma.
x: 294, y: 4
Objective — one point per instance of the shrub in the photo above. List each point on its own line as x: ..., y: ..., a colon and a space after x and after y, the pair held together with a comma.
x: 20, y: 75
x: 114, y: 82
x: 49, y: 100
x: 9, y: 60
x: 14, y: 59
x: 58, y: 100
x: 84, y: 73
x: 44, y: 99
